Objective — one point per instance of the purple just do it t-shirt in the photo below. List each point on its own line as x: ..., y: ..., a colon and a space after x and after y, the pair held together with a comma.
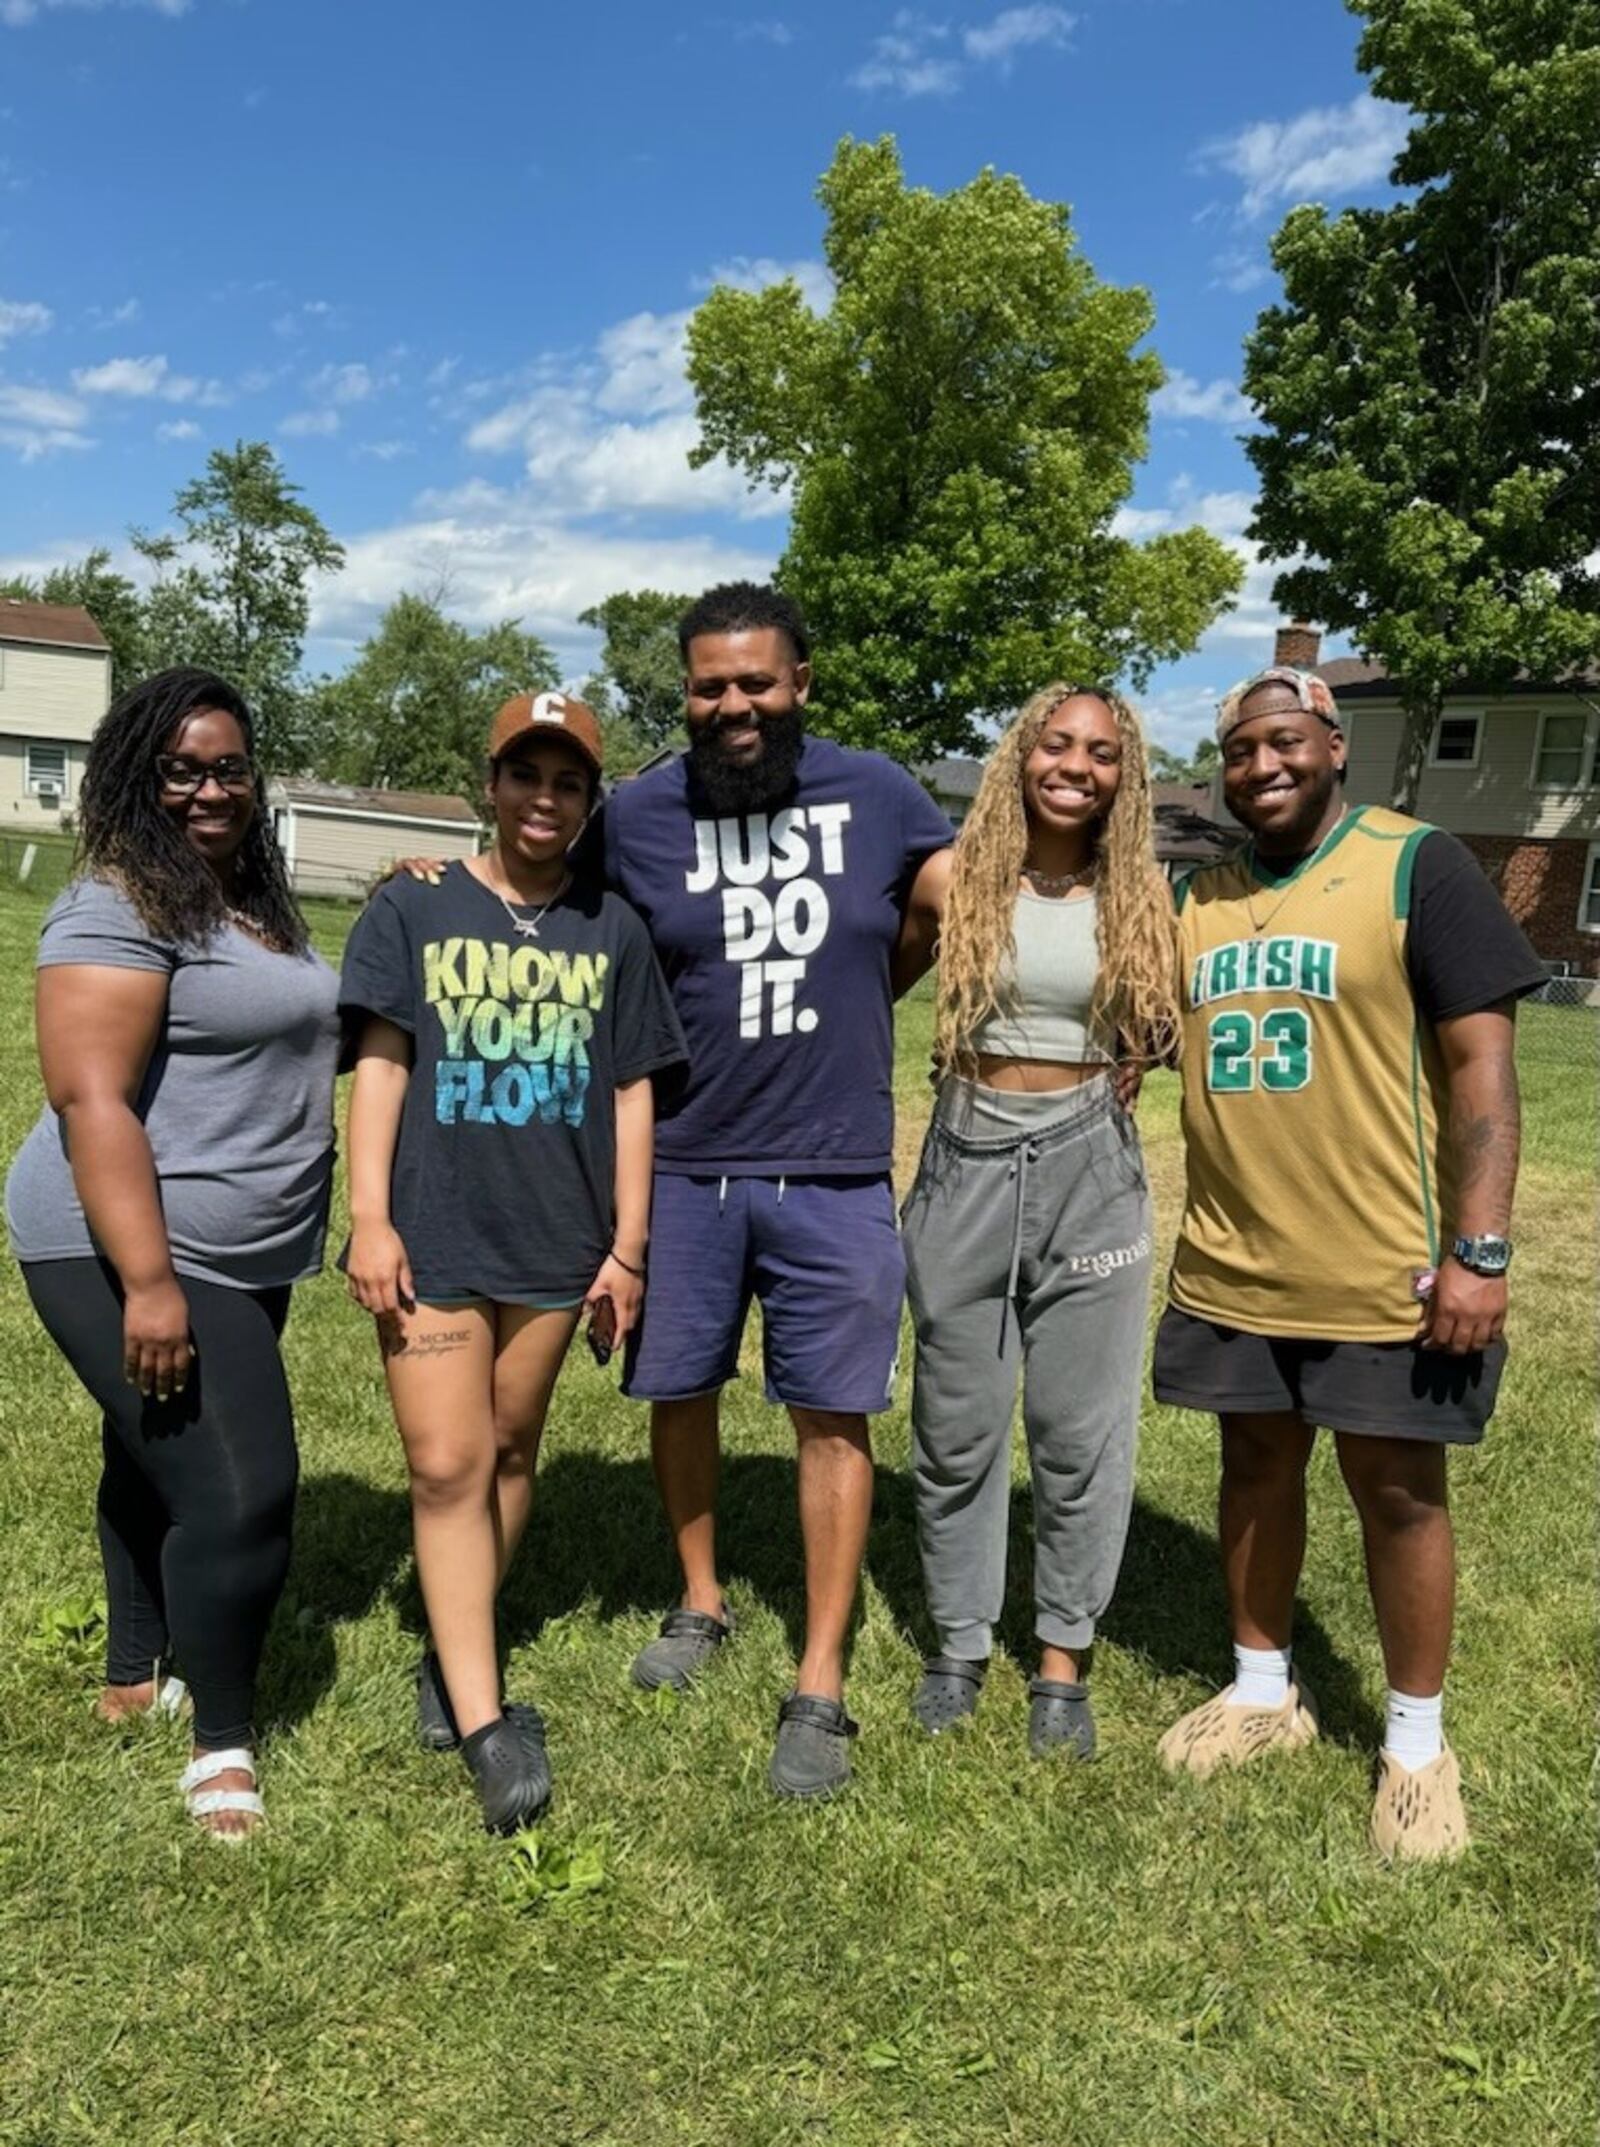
x: 775, y: 930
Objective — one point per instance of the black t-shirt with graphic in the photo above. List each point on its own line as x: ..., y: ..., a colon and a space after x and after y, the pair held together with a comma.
x: 504, y: 1172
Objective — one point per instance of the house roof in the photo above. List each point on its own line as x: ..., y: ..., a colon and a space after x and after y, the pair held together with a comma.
x: 64, y: 625
x: 953, y: 777
x: 392, y: 804
x: 1351, y: 678
x: 1186, y: 834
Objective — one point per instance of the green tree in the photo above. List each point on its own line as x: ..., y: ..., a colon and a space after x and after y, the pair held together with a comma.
x: 1200, y: 767
x: 413, y: 711
x: 1429, y: 382
x: 233, y: 587
x: 110, y: 599
x: 959, y: 431
x: 640, y: 662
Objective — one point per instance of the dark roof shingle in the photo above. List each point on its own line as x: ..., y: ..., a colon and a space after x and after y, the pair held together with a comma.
x: 62, y: 625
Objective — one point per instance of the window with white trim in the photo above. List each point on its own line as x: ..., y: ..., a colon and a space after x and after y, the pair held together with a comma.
x: 45, y: 767
x: 1561, y: 751
x: 1589, y: 902
x: 1455, y: 742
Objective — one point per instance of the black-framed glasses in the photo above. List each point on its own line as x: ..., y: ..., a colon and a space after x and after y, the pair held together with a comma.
x: 181, y: 777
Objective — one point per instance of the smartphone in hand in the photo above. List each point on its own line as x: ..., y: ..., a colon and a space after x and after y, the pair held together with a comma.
x: 601, y: 1334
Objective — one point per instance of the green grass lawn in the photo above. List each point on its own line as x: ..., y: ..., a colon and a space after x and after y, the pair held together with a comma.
x: 970, y: 1947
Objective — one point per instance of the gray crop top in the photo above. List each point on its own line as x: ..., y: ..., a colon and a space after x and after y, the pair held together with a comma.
x: 1045, y: 997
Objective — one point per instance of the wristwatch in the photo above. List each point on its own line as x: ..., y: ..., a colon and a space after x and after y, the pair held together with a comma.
x: 1484, y: 1255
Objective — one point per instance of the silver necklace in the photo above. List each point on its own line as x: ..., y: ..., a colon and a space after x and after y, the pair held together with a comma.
x: 528, y: 927
x: 1059, y: 883
x: 1258, y: 927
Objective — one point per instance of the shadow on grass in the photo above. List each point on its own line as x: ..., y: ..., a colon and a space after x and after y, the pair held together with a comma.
x: 598, y: 1535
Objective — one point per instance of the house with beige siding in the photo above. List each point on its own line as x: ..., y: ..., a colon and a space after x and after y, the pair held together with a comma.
x: 1515, y: 772
x: 55, y: 685
x: 337, y: 840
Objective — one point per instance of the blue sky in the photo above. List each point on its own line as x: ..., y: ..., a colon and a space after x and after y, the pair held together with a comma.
x: 441, y: 258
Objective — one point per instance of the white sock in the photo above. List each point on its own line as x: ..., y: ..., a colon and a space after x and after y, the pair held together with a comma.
x: 1414, y: 1730
x: 1260, y: 1677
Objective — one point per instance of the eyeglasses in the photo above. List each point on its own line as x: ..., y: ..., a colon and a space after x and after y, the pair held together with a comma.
x: 182, y: 777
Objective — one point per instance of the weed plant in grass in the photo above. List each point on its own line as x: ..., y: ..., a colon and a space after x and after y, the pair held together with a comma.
x: 971, y: 1947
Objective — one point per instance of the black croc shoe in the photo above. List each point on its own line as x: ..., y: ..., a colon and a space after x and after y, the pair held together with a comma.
x: 436, y: 1722
x: 948, y: 1692
x: 686, y: 1643
x: 1060, y: 1719
x: 513, y: 1785
x: 812, y: 1756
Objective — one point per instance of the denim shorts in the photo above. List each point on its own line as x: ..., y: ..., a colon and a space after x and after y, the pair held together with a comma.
x: 821, y: 1256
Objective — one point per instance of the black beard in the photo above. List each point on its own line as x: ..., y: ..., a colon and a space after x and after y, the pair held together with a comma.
x: 729, y: 788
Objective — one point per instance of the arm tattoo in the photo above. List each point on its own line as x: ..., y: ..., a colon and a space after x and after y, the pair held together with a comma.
x: 1485, y: 1134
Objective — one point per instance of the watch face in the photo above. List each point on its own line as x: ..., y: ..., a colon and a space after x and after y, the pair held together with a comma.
x: 1485, y: 1255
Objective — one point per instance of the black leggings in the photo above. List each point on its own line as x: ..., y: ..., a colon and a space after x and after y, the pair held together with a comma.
x: 196, y: 1494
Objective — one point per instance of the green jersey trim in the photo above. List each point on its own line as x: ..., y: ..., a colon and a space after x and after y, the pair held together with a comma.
x: 1429, y: 1224
x: 1406, y: 869
x: 1261, y: 870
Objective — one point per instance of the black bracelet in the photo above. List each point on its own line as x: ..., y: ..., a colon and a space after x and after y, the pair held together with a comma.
x: 636, y: 1272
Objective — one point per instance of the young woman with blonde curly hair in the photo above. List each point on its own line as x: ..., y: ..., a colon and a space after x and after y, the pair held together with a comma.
x: 1027, y: 1232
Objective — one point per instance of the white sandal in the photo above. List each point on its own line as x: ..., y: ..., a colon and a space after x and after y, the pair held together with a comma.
x: 201, y: 1802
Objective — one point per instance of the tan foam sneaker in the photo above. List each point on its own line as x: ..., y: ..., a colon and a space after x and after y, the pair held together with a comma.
x: 1419, y: 1818
x: 1217, y: 1734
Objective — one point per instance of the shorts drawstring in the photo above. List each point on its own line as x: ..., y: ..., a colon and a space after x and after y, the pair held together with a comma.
x: 722, y: 1196
x: 782, y: 1182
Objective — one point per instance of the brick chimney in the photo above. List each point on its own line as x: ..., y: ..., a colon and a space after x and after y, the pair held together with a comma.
x: 1297, y: 646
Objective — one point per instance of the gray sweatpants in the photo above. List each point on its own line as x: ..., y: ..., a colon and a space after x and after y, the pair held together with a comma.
x: 1028, y: 1248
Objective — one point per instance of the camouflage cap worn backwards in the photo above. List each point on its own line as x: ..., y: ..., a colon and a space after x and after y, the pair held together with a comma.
x: 1312, y: 696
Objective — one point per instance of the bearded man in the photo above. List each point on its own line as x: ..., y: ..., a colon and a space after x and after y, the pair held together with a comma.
x: 773, y: 869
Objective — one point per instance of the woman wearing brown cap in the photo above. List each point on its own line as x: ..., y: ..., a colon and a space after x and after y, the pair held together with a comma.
x: 501, y: 1130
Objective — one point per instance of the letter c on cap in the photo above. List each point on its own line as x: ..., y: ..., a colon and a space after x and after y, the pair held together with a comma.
x: 548, y: 708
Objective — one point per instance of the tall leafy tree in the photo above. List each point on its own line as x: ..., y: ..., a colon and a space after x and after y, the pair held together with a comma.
x: 639, y: 660
x: 414, y: 709
x: 959, y: 430
x: 110, y: 599
x: 233, y: 585
x: 1430, y: 384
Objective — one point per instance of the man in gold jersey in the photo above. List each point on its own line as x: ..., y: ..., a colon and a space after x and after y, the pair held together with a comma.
x: 1351, y: 1119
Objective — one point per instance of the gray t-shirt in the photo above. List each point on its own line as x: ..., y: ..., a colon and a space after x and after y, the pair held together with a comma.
x: 237, y: 1100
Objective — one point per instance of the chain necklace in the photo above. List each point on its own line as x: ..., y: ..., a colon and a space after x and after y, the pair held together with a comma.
x: 528, y: 927
x: 1059, y: 883
x: 1258, y: 927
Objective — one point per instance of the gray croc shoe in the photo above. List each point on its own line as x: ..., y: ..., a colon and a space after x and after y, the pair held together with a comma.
x: 529, y: 1726
x: 811, y: 1759
x: 687, y: 1641
x: 1060, y: 1719
x: 513, y: 1783
x: 948, y: 1692
x: 436, y: 1722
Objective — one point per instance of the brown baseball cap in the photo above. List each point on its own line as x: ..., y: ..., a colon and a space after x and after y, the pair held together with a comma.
x: 528, y: 713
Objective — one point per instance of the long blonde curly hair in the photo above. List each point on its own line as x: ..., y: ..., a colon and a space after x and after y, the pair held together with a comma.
x: 1136, y: 991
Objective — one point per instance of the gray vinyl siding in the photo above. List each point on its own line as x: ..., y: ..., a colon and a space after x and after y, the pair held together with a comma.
x: 1497, y: 796
x: 340, y: 854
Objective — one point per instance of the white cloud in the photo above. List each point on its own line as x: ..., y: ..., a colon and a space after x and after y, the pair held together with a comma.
x: 644, y: 358
x: 23, y: 316
x: 310, y: 424
x: 1180, y: 715
x: 1238, y: 270
x: 114, y: 316
x: 141, y: 378
x: 505, y: 555
x: 1015, y: 27
x: 769, y: 32
x: 182, y: 428
x: 348, y: 383
x: 39, y: 421
x: 16, y: 14
x: 907, y: 59
x: 1217, y: 402
x: 1329, y: 151
x: 386, y: 450
x: 755, y: 273
x: 918, y: 58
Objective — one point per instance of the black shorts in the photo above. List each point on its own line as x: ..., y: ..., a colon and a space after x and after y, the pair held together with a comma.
x: 1392, y: 1390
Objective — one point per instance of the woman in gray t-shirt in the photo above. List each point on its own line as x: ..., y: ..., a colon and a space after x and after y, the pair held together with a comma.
x: 173, y: 1190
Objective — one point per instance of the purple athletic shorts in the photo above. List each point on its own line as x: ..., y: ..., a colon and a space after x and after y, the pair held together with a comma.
x: 821, y: 1255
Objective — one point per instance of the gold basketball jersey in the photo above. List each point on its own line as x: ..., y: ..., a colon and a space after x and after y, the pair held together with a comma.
x: 1312, y: 1093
